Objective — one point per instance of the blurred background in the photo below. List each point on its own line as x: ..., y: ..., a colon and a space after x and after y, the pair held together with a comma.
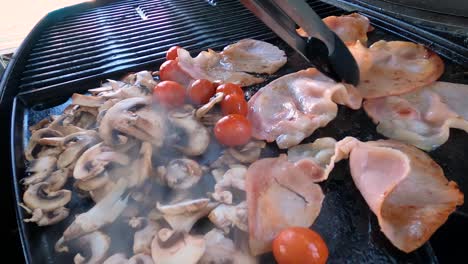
x: 18, y: 17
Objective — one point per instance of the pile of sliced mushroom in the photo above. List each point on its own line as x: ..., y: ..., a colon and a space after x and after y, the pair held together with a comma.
x: 110, y: 146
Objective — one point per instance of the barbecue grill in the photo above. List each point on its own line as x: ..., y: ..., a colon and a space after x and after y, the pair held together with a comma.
x: 73, y: 49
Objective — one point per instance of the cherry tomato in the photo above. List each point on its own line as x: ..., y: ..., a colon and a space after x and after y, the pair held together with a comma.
x: 233, y: 130
x: 172, y: 53
x: 167, y: 70
x: 201, y: 91
x: 234, y: 104
x: 230, y: 88
x: 169, y: 94
x: 299, y: 245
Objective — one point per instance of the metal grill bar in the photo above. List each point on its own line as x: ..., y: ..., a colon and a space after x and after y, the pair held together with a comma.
x: 114, y: 37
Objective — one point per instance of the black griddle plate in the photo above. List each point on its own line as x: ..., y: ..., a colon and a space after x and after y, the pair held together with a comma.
x: 345, y: 222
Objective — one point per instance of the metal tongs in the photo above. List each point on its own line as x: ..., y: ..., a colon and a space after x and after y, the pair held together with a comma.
x: 324, y: 49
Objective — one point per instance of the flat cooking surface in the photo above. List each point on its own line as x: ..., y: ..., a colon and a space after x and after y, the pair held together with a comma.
x: 349, y: 228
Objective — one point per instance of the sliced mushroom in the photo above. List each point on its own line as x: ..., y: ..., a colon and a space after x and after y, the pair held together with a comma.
x: 224, y: 160
x: 98, y: 243
x: 39, y: 169
x: 132, y: 210
x: 182, y: 216
x: 103, y: 213
x: 187, y: 249
x: 204, y: 109
x: 142, y: 167
x: 218, y: 174
x: 36, y: 197
x: 195, y: 134
x: 224, y: 216
x: 143, y: 237
x: 145, y: 79
x: 57, y: 179
x: 86, y: 100
x: 127, y: 91
x: 102, y: 110
x: 98, y: 90
x: 155, y: 215
x: 93, y: 183
x: 220, y: 249
x: 235, y: 178
x: 35, y: 150
x: 41, y: 124
x: 133, y: 117
x: 95, y: 160
x: 210, y: 119
x: 141, y: 259
x: 248, y: 153
x: 73, y: 146
x: 182, y: 173
x: 42, y: 218
x: 117, y: 258
x: 80, y: 116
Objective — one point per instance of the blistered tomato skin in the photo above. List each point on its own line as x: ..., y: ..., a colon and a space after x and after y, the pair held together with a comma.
x: 233, y: 130
x: 200, y: 91
x: 234, y: 104
x: 299, y: 245
x: 230, y: 88
x: 169, y: 94
x: 172, y: 53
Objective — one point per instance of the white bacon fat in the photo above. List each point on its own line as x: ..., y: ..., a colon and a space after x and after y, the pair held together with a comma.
x: 394, y: 67
x: 406, y: 190
x: 422, y: 118
x: 292, y: 107
x: 279, y: 195
x: 234, y: 64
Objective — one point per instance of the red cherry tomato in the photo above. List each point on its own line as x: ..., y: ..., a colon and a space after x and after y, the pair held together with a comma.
x: 201, y: 91
x: 230, y: 88
x: 169, y: 94
x: 234, y: 104
x: 172, y: 53
x: 299, y: 245
x: 168, y: 69
x: 233, y: 130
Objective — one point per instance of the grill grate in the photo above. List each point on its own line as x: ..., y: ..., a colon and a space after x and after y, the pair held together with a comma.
x: 129, y: 34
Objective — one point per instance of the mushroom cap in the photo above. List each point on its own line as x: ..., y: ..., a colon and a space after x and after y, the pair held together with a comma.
x: 133, y: 117
x: 143, y: 237
x: 57, y: 179
x: 191, y: 206
x: 182, y: 173
x: 220, y: 249
x: 142, y: 167
x: 36, y: 197
x: 248, y: 153
x: 86, y: 100
x: 102, y: 213
x: 188, y: 250
x: 93, y: 183
x: 42, y: 218
x: 39, y: 169
x: 98, y: 243
x: 74, y: 145
x: 117, y: 258
x: 34, y: 148
x: 141, y: 259
x: 198, y: 136
x: 182, y: 216
x: 94, y: 161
